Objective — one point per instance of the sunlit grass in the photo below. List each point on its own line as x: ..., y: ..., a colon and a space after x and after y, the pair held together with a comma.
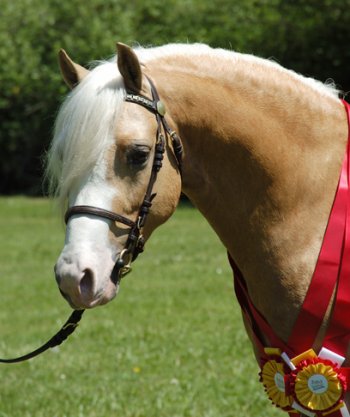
x: 171, y: 345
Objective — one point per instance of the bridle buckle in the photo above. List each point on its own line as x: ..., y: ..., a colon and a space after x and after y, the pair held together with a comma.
x: 124, y: 263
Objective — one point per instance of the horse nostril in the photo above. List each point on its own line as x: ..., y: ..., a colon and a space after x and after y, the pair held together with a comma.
x: 87, y: 283
x: 77, y: 285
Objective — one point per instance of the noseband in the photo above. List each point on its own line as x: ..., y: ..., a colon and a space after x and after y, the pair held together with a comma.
x: 135, y: 241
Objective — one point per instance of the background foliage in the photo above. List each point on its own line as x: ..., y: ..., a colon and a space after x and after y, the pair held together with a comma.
x: 310, y: 36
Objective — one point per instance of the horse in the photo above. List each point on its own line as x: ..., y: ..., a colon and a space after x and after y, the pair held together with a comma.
x: 255, y: 147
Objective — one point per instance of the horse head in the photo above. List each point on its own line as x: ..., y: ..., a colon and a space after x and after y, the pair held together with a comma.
x: 111, y: 139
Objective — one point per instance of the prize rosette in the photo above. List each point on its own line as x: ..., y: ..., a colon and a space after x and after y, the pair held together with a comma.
x: 272, y: 377
x: 317, y: 384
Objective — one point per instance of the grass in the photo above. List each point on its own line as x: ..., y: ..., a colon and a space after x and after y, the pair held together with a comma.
x: 171, y: 344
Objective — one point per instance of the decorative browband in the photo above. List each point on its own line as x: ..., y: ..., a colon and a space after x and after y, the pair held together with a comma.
x: 153, y: 106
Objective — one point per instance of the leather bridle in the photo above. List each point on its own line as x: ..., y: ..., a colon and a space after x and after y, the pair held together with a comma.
x: 135, y: 240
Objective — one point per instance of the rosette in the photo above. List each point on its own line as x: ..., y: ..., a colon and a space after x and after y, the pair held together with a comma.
x: 317, y: 384
x: 272, y: 377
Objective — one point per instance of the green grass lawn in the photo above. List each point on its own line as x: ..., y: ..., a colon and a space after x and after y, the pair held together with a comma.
x: 172, y: 343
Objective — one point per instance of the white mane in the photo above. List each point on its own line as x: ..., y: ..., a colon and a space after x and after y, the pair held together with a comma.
x: 83, y: 128
x: 85, y: 122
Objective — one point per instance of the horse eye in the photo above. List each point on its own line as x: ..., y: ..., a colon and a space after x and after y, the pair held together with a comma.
x: 138, y: 155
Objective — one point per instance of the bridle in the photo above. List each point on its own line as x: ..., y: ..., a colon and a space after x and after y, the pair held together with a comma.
x: 135, y: 241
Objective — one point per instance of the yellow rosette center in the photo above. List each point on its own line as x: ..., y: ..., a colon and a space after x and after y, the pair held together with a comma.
x: 317, y: 387
x: 272, y: 377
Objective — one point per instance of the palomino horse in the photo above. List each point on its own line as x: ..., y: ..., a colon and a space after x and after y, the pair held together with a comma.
x: 263, y: 149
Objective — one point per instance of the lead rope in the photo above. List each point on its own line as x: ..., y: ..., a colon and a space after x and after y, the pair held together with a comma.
x: 67, y: 329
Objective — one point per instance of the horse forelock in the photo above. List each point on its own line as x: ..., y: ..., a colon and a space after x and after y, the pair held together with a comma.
x: 84, y: 127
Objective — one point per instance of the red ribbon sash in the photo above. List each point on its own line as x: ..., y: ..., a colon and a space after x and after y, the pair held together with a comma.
x: 332, y: 273
x: 332, y: 270
x: 331, y: 277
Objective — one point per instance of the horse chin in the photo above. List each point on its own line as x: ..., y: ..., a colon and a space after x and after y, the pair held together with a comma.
x: 109, y: 294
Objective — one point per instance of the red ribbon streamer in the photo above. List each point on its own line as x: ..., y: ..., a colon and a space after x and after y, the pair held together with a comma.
x: 332, y: 270
x: 332, y: 259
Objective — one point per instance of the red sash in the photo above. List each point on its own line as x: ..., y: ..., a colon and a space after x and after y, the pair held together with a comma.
x: 332, y: 269
x: 331, y: 275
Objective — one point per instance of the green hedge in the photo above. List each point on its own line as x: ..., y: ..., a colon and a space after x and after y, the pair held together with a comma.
x: 311, y: 37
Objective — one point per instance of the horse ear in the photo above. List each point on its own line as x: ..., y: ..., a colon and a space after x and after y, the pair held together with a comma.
x: 129, y: 67
x: 72, y: 73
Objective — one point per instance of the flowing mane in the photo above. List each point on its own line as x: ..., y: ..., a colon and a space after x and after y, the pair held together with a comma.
x: 86, y: 120
x: 83, y: 128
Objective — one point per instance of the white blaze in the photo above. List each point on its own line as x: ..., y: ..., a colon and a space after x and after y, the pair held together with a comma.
x: 87, y: 259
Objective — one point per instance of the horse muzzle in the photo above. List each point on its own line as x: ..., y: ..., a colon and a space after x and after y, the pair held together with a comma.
x: 81, y: 286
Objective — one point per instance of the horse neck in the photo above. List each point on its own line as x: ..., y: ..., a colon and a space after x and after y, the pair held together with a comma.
x: 263, y: 152
x: 245, y: 147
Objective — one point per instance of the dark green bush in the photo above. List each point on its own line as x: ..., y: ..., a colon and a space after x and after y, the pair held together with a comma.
x: 311, y: 37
